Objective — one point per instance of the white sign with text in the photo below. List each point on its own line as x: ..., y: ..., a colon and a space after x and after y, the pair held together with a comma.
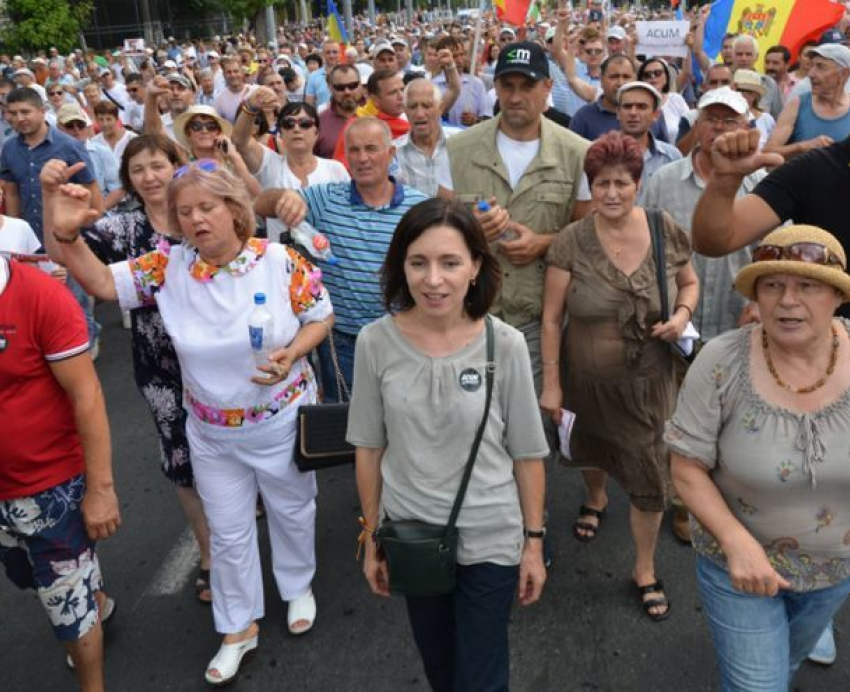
x: 662, y: 39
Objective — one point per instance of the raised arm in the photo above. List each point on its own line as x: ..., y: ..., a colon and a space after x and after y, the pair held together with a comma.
x: 722, y: 223
x: 453, y: 84
x: 250, y: 149
x: 153, y: 119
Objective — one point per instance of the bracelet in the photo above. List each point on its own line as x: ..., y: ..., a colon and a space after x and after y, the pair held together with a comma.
x: 551, y: 362
x: 247, y: 108
x: 365, y: 532
x: 682, y: 305
x: 65, y: 241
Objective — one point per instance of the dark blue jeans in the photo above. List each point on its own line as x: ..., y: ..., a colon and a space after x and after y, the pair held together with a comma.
x: 344, y: 344
x: 462, y: 637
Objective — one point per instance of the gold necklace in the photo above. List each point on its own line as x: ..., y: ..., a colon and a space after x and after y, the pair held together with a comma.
x: 833, y: 358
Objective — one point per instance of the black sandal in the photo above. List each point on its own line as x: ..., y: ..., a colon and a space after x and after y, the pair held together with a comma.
x: 202, y: 585
x: 590, y: 529
x: 657, y: 587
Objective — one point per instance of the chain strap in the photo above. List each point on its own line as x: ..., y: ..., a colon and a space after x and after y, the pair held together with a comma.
x: 341, y: 386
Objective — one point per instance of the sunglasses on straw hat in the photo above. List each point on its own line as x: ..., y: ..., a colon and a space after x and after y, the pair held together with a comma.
x: 205, y: 165
x: 812, y: 253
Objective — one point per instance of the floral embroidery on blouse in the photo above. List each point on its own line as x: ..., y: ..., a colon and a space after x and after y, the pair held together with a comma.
x: 825, y: 517
x: 237, y: 417
x: 745, y: 508
x: 253, y: 251
x: 148, y: 273
x: 750, y: 422
x: 305, y: 288
x: 785, y: 469
x: 718, y: 373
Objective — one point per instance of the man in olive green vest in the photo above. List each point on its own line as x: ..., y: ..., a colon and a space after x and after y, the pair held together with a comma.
x: 529, y: 170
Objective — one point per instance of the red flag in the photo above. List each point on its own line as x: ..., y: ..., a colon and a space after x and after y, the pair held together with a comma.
x: 512, y: 11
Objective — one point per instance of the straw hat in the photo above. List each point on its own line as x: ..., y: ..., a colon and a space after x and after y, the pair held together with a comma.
x: 182, y: 120
x: 748, y: 80
x: 832, y: 275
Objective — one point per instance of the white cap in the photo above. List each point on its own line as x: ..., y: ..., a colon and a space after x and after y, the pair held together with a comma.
x: 724, y: 96
x: 646, y: 86
x: 170, y: 64
x: 839, y: 54
x: 617, y: 32
x: 382, y: 46
x: 507, y: 30
x: 550, y: 33
x: 212, y: 54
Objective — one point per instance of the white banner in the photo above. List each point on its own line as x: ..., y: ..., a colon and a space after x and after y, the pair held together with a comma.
x: 134, y: 46
x: 662, y: 39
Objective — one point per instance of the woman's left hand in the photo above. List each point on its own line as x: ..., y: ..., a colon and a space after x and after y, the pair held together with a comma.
x: 672, y: 329
x: 532, y: 572
x: 280, y: 363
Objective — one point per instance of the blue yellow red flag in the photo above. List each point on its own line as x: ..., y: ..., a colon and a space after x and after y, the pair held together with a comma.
x: 335, y: 25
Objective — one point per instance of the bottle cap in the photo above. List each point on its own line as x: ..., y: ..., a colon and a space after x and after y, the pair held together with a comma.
x: 483, y: 205
x: 259, y: 299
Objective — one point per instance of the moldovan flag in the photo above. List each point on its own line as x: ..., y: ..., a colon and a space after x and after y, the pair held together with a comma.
x: 335, y: 26
x: 789, y: 23
x: 512, y: 11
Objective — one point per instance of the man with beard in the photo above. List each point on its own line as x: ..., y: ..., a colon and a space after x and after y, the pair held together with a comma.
x: 346, y: 94
x: 230, y: 98
x: 181, y: 95
x: 822, y: 116
x: 422, y: 151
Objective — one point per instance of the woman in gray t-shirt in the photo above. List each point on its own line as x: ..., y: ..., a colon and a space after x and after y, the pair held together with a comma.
x: 419, y: 395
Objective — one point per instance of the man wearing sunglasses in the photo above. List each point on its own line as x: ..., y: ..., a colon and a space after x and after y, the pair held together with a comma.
x: 583, y: 76
x: 346, y: 96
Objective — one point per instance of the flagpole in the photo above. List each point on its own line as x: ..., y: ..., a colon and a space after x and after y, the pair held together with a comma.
x: 349, y: 18
x: 479, y: 21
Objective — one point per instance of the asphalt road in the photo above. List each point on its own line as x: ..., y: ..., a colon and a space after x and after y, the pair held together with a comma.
x: 587, y: 634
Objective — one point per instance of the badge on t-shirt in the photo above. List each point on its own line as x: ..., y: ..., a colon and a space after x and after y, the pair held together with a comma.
x: 470, y: 380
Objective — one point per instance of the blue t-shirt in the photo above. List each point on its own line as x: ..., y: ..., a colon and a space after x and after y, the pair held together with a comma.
x: 592, y: 121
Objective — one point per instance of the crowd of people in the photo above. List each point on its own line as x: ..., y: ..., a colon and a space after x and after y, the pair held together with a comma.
x: 651, y: 246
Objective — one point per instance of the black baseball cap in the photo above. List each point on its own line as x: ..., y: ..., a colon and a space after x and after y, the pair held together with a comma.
x: 526, y: 58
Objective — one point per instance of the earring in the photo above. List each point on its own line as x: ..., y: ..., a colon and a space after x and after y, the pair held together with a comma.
x: 473, y: 280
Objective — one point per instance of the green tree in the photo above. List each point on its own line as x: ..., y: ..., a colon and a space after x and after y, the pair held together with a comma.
x: 37, y: 24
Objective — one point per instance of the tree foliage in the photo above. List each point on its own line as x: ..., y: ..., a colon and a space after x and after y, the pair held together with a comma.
x: 37, y: 24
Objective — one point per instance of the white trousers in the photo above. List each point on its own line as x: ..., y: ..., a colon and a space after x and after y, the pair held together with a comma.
x: 230, y: 466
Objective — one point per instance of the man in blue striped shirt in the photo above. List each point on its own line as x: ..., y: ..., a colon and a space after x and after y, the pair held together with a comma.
x: 359, y: 219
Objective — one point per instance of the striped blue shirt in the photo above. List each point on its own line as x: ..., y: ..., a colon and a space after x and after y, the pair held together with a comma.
x: 359, y: 237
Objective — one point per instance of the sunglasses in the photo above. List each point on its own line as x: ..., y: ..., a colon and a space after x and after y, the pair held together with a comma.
x: 302, y: 123
x: 350, y: 86
x: 55, y: 93
x: 132, y: 90
x: 75, y: 125
x: 812, y: 253
x: 594, y: 51
x: 205, y: 165
x: 652, y: 74
x: 200, y: 125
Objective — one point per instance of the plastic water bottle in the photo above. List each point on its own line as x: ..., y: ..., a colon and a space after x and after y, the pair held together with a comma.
x: 317, y: 244
x: 260, y: 330
x: 483, y: 207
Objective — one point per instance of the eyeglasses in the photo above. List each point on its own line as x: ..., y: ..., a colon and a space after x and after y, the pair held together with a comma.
x: 205, y: 165
x: 594, y: 51
x: 725, y: 123
x: 719, y: 82
x: 59, y: 92
x: 812, y: 253
x: 75, y: 125
x: 302, y: 123
x: 350, y: 86
x: 652, y: 74
x: 200, y: 125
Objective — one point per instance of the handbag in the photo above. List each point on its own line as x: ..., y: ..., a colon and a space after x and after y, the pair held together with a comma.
x: 422, y: 558
x: 320, y: 437
x: 656, y: 233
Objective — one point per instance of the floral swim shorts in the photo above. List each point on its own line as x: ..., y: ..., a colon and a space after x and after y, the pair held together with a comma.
x: 44, y: 546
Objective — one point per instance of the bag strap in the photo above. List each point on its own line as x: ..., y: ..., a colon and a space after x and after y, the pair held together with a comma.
x: 490, y: 369
x: 655, y: 217
x: 341, y: 386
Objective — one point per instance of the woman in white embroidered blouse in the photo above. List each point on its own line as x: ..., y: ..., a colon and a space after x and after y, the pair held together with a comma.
x: 760, y: 451
x: 241, y: 423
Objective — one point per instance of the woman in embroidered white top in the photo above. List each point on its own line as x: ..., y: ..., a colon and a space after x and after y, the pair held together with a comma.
x: 241, y: 423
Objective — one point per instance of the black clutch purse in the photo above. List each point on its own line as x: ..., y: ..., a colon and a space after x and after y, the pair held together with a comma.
x: 320, y: 437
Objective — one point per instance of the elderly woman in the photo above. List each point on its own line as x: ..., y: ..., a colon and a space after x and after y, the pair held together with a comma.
x: 296, y: 167
x: 241, y: 422
x: 760, y: 449
x: 146, y: 171
x: 620, y: 369
x: 420, y: 369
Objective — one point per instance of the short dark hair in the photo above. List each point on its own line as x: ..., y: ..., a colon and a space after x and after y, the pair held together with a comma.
x: 786, y: 54
x: 614, y: 149
x: 342, y: 67
x: 293, y: 107
x: 418, y: 219
x: 373, y: 86
x: 151, y: 143
x: 134, y: 77
x: 645, y: 66
x: 106, y: 108
x: 25, y: 95
x: 617, y: 57
x: 314, y: 57
x: 449, y: 42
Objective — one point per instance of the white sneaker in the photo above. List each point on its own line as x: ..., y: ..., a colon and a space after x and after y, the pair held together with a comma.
x: 824, y: 652
x: 126, y: 321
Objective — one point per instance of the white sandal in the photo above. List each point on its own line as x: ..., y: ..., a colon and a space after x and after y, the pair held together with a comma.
x: 228, y: 660
x: 302, y: 608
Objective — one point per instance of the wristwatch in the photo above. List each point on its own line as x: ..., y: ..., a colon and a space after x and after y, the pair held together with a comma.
x: 540, y: 533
